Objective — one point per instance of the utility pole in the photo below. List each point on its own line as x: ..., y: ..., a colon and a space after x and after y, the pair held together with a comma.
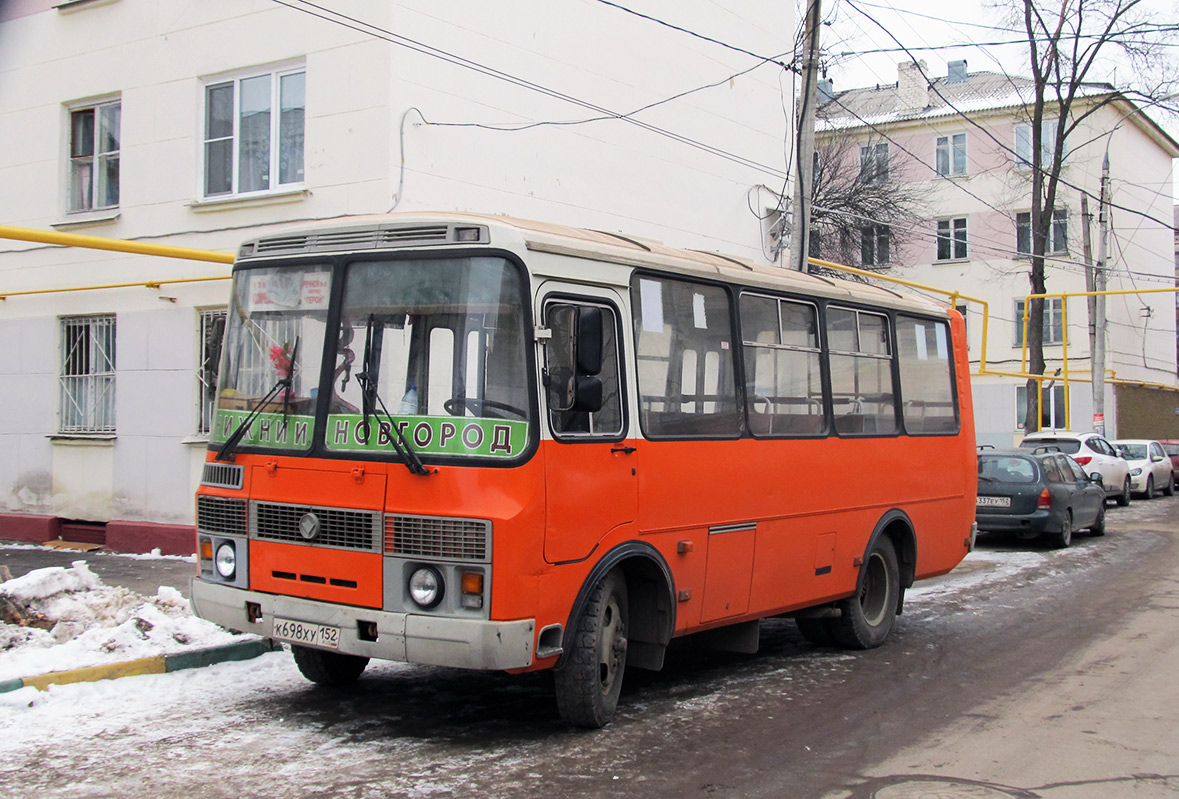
x: 805, y: 152
x: 1100, y: 279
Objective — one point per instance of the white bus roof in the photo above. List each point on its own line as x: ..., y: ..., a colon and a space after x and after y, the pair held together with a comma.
x: 433, y: 229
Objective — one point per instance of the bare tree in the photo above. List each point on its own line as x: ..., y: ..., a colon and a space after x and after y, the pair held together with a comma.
x: 1064, y: 44
x: 862, y: 213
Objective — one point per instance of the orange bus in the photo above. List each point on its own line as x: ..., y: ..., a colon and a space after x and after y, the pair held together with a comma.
x: 488, y: 443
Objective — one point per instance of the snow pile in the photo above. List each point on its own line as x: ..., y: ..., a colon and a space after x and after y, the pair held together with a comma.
x: 56, y: 619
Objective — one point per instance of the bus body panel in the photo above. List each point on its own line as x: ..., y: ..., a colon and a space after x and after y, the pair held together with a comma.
x: 743, y: 528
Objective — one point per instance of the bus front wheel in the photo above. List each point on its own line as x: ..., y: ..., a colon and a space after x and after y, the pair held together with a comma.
x: 866, y: 617
x: 589, y: 680
x: 328, y: 668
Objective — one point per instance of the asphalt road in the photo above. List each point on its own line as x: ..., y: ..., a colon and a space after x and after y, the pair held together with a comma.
x: 1051, y: 680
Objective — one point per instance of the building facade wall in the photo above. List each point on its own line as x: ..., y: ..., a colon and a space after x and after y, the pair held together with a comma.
x: 384, y: 127
x: 1139, y: 328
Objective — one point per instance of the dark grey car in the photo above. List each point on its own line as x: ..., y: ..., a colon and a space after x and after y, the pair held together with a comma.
x: 1038, y: 493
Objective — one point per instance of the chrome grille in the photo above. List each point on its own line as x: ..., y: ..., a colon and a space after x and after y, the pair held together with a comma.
x: 438, y: 537
x: 339, y: 528
x: 223, y: 515
x: 222, y: 475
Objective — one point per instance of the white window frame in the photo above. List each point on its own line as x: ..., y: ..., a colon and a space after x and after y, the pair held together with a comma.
x: 86, y: 377
x: 876, y: 240
x: 956, y: 234
x: 1052, y: 411
x: 949, y: 158
x: 92, y: 197
x: 874, y: 162
x: 1057, y: 241
x: 274, y: 182
x: 1023, y: 143
x: 1053, y: 321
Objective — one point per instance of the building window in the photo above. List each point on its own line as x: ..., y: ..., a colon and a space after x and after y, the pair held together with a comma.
x: 1053, y: 330
x: 87, y: 380
x: 951, y: 239
x: 212, y: 333
x: 874, y: 163
x: 1052, y: 408
x: 1023, y: 143
x: 1057, y: 238
x: 951, y: 155
x: 94, y: 157
x: 249, y: 147
x: 874, y: 245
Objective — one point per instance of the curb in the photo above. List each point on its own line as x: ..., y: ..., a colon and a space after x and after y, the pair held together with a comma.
x: 160, y: 664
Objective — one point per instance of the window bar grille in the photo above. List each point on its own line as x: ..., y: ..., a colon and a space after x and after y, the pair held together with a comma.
x: 87, y: 375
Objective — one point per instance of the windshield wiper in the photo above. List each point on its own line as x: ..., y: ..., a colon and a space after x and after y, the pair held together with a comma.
x: 225, y: 452
x: 370, y: 398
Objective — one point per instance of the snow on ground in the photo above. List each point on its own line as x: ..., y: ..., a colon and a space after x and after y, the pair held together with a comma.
x: 244, y: 721
x: 57, y: 619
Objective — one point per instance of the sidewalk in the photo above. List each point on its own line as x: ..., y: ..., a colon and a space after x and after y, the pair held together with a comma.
x: 144, y: 575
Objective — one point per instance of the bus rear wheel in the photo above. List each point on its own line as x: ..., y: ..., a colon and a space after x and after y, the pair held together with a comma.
x: 589, y: 680
x: 866, y: 618
x: 328, y: 668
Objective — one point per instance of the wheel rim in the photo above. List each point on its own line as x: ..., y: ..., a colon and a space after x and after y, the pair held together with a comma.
x: 1066, y: 530
x: 875, y: 591
x: 611, y: 645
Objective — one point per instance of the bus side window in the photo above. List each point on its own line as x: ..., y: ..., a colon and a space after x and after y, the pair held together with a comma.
x: 783, y: 381
x: 581, y: 371
x: 927, y: 383
x: 862, y: 393
x: 684, y: 351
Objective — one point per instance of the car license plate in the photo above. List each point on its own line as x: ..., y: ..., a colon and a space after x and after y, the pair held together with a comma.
x: 994, y: 502
x: 302, y: 632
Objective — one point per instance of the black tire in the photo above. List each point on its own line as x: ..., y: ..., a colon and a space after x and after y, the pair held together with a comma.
x: 1124, y: 498
x: 817, y: 631
x: 589, y: 679
x: 866, y: 618
x: 1098, y: 526
x: 1150, y: 486
x: 1062, y: 539
x: 328, y: 668
x: 1170, y: 489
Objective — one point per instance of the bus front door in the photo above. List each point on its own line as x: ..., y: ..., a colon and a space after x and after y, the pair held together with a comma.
x: 591, y: 481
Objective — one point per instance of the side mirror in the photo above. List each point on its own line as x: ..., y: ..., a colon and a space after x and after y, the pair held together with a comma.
x: 573, y: 358
x: 1096, y: 478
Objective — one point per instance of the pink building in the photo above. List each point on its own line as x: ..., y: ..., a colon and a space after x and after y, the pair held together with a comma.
x: 962, y: 143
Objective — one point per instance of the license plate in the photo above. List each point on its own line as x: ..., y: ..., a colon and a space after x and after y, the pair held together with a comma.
x: 994, y: 502
x: 302, y: 632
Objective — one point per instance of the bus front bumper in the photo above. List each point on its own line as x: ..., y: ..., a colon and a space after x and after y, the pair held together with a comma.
x: 405, y: 637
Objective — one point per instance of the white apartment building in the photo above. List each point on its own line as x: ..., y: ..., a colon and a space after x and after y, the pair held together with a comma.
x: 963, y: 139
x: 203, y: 123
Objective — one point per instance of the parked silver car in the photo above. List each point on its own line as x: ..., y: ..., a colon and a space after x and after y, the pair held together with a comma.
x: 1094, y: 453
x: 1150, y: 468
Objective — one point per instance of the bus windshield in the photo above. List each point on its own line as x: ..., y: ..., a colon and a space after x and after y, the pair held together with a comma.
x: 436, y: 346
x: 270, y: 363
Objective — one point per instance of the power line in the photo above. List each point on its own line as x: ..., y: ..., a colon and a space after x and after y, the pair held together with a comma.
x: 369, y: 29
x: 694, y: 33
x: 969, y: 120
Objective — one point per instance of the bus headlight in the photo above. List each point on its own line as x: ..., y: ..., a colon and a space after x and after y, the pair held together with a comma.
x: 425, y: 587
x: 226, y: 560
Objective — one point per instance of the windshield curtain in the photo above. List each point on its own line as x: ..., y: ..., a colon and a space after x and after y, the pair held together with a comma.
x: 275, y: 332
x: 442, y: 342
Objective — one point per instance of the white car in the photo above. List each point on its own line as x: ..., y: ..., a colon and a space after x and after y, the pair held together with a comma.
x: 1150, y: 468
x: 1094, y: 453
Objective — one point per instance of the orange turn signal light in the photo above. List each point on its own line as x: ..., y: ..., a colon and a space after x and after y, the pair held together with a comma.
x: 472, y: 582
x: 206, y: 549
